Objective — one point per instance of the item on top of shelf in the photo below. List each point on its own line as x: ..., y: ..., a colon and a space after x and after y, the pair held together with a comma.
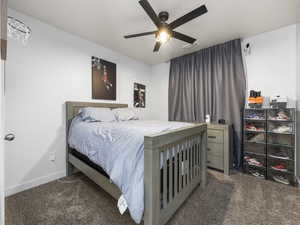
x: 281, y: 116
x: 222, y: 121
x: 207, y: 118
x: 278, y: 102
x: 253, y: 161
x: 280, y: 155
x: 257, y: 138
x: 280, y: 167
x: 281, y: 179
x: 255, y: 99
x: 283, y: 129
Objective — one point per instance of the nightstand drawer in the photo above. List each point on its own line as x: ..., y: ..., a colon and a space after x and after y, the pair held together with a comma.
x: 215, y: 162
x: 215, y: 136
x: 215, y: 149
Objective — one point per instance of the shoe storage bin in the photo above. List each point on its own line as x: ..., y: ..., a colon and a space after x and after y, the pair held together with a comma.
x: 288, y: 164
x: 281, y: 127
x: 255, y: 126
x: 280, y: 152
x: 255, y: 137
x: 255, y: 171
x: 281, y: 114
x: 255, y: 114
x: 281, y: 177
x: 257, y: 148
x: 281, y: 139
x: 254, y: 160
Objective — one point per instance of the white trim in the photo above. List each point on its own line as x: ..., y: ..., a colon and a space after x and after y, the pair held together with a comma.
x: 34, y: 183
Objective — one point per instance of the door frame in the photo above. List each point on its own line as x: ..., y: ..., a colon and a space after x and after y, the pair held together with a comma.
x: 3, y: 53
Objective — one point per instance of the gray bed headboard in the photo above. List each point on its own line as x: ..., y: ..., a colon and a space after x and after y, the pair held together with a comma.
x: 72, y: 108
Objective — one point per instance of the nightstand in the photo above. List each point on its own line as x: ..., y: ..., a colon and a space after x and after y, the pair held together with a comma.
x: 218, y: 147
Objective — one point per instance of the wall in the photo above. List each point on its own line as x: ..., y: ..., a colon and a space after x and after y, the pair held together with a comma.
x: 53, y: 68
x: 298, y: 96
x: 272, y: 62
x: 2, y: 150
x: 159, y: 97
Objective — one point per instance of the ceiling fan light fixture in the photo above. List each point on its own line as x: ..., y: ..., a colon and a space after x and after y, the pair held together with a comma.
x: 163, y: 36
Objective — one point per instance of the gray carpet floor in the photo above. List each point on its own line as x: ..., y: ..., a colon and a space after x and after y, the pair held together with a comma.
x: 235, y: 200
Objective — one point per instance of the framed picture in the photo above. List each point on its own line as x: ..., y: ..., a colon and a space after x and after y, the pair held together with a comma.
x: 139, y: 95
x: 104, y: 85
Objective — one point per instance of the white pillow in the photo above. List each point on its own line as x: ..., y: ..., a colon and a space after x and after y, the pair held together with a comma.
x: 125, y: 114
x: 97, y: 114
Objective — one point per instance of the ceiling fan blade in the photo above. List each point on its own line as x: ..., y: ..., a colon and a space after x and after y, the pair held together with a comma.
x: 183, y: 37
x: 150, y: 11
x: 157, y: 46
x: 188, y: 17
x: 140, y: 34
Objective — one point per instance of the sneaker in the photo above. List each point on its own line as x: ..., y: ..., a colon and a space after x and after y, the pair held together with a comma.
x: 258, y: 138
x: 257, y: 174
x: 282, y: 129
x: 280, y: 155
x: 253, y: 161
x: 281, y: 179
x: 280, y: 167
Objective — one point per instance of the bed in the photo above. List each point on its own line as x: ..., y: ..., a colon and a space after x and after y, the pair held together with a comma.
x: 172, y: 162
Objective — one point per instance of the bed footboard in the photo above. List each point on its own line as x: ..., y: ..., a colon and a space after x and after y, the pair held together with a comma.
x: 175, y: 164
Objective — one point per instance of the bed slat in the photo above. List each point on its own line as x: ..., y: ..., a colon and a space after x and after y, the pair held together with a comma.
x: 170, y: 173
x: 176, y: 172
x: 165, y: 168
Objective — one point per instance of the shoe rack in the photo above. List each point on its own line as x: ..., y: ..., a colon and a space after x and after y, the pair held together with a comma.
x: 269, y: 144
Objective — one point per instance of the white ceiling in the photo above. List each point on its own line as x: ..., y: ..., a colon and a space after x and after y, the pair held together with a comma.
x: 106, y: 21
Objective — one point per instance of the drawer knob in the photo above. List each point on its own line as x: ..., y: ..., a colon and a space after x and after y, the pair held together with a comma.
x: 208, y: 149
x: 207, y: 161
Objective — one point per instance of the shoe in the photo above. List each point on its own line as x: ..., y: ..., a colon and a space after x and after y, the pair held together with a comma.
x: 282, y: 129
x: 281, y: 115
x: 253, y: 161
x: 281, y: 179
x: 250, y: 127
x: 280, y: 167
x: 257, y: 174
x: 257, y: 138
x: 280, y: 155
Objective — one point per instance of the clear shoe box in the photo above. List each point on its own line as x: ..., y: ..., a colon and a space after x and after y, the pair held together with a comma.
x: 255, y: 126
x: 288, y: 165
x: 259, y: 172
x: 281, y: 177
x: 254, y: 160
x: 281, y: 114
x: 255, y: 114
x: 257, y: 148
x: 255, y: 137
x: 280, y: 152
x: 280, y: 127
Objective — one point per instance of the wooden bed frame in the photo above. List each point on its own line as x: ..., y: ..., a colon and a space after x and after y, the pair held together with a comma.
x: 163, y: 193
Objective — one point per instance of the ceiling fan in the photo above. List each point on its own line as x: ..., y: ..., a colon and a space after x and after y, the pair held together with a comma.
x: 166, y: 30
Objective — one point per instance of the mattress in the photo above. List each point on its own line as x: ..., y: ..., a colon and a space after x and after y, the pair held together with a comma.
x: 118, y: 149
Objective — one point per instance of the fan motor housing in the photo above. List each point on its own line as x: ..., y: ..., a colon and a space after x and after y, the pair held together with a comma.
x: 163, y: 16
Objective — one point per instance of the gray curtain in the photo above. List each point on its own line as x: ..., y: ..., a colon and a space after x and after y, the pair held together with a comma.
x: 210, y: 81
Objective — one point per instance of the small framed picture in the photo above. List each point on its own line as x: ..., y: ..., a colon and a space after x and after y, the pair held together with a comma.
x: 139, y: 95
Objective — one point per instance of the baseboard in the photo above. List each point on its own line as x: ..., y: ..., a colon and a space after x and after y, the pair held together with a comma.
x: 34, y: 183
